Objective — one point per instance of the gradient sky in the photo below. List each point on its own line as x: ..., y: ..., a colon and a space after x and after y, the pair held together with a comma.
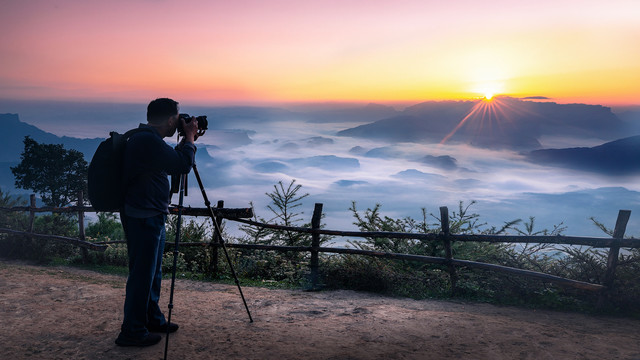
x: 250, y: 51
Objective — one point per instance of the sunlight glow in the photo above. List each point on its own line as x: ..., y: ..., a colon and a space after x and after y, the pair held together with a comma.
x: 254, y: 52
x: 485, y: 114
x: 489, y: 89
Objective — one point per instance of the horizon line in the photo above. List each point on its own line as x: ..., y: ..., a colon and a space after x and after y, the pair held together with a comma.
x: 320, y: 102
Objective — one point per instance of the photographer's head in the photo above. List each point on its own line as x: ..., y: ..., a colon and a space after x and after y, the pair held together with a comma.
x: 163, y: 115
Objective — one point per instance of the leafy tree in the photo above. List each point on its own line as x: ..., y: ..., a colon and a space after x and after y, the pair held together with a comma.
x: 55, y: 173
x: 10, y: 219
x: 20, y: 246
x: 11, y: 245
x: 107, y: 228
x: 190, y: 259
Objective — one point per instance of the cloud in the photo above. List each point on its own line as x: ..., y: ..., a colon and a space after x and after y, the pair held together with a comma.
x: 228, y: 138
x: 535, y: 98
x: 349, y: 183
x: 328, y: 162
x: 573, y: 209
x: 468, y: 183
x: 271, y: 167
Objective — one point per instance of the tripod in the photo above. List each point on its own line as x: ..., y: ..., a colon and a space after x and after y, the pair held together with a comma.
x: 218, y: 234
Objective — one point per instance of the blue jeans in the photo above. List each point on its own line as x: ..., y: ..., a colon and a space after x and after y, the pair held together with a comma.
x: 145, y: 246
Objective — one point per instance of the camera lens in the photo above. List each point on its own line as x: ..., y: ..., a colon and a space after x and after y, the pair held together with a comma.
x: 203, y: 123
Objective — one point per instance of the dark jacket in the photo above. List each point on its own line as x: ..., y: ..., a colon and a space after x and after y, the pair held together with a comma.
x: 148, y: 161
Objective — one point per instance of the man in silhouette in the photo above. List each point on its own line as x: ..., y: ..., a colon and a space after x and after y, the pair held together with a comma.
x: 148, y: 161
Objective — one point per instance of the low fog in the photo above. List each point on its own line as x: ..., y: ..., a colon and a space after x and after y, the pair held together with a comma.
x: 248, y: 150
x: 405, y: 177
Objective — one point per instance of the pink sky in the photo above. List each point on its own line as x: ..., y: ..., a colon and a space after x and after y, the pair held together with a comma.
x: 246, y: 51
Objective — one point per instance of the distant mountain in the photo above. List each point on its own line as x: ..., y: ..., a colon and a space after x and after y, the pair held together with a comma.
x: 386, y: 152
x: 14, y: 131
x: 12, y: 140
x: 631, y: 116
x: 503, y: 123
x: 7, y: 180
x: 413, y: 174
x: 444, y: 162
x: 616, y: 158
x: 368, y: 113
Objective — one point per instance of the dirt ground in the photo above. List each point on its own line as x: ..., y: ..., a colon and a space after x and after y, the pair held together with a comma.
x: 67, y: 313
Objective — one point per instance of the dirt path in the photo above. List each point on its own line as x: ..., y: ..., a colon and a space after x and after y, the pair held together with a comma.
x: 66, y: 313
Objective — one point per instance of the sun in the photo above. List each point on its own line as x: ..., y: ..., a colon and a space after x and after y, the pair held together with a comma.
x: 489, y: 89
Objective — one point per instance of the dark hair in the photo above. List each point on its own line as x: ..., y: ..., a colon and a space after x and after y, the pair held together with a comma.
x: 159, y: 110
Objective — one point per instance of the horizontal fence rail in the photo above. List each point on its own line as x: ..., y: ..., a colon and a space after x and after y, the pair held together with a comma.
x: 242, y: 215
x: 73, y: 241
x: 190, y: 211
x: 539, y: 239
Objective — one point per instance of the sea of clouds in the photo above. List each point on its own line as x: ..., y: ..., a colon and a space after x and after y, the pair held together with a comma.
x: 241, y: 158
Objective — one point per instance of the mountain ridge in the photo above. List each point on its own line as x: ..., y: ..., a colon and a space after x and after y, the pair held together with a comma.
x: 14, y: 131
x: 502, y: 123
x: 619, y: 157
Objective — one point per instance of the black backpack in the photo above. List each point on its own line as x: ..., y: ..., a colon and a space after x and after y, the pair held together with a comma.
x: 106, y: 190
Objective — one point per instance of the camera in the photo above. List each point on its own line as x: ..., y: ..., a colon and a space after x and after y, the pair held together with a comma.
x: 203, y: 123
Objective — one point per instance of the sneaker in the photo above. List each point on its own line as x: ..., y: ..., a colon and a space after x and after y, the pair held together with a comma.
x: 173, y: 327
x: 150, y: 339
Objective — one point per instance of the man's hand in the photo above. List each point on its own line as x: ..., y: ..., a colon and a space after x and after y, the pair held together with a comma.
x: 190, y: 129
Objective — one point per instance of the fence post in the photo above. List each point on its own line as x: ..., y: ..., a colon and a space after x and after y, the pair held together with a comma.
x: 444, y: 221
x: 213, y: 263
x: 315, y: 244
x: 614, y: 253
x: 85, y: 252
x: 32, y: 213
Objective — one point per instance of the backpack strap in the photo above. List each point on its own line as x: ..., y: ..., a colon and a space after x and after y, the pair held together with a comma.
x: 131, y: 132
x: 119, y: 140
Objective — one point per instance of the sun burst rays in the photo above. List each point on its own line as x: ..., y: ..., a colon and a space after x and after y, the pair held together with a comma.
x: 488, y: 115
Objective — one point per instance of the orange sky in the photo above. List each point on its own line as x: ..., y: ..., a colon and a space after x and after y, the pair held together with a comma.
x: 246, y: 51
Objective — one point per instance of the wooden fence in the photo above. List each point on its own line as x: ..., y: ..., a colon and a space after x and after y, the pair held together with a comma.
x: 614, y: 244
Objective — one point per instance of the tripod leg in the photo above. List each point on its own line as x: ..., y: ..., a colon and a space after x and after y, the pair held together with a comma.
x: 175, y: 260
x: 219, y: 232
